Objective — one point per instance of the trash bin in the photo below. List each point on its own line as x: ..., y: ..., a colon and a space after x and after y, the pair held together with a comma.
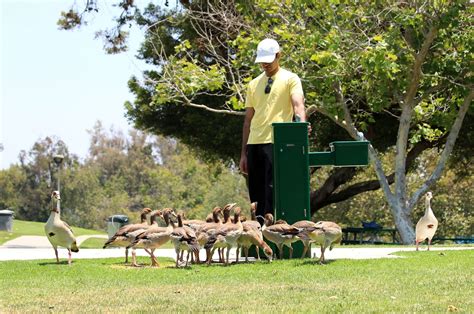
x: 6, y: 220
x: 114, y: 223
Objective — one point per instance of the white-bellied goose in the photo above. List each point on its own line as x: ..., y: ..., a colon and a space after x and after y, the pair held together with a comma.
x: 282, y: 234
x: 125, y: 235
x: 325, y: 233
x: 153, y: 237
x: 247, y: 240
x: 58, y: 232
x: 251, y: 235
x: 208, y: 231
x: 304, y: 225
x: 427, y: 225
x: 205, y: 230
x: 184, y: 239
x: 226, y: 236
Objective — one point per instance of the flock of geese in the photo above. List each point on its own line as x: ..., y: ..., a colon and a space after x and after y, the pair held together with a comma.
x: 223, y: 230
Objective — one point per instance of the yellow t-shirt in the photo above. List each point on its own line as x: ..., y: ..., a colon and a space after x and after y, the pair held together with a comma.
x: 272, y: 107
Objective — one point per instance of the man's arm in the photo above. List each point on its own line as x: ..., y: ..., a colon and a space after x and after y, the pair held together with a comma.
x: 297, y: 101
x: 245, y: 136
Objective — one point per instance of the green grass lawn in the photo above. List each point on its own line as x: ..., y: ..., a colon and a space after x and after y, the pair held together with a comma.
x: 427, y: 282
x: 21, y: 228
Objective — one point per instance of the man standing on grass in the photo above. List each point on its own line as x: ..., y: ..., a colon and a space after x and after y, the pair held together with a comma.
x: 276, y: 95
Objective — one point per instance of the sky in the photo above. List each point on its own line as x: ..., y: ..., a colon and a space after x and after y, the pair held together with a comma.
x: 58, y: 83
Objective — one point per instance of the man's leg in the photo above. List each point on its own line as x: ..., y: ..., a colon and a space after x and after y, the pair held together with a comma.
x: 256, y: 177
x: 268, y: 173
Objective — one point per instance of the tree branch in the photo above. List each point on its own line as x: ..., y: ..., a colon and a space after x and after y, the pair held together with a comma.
x: 451, y: 140
x: 325, y: 196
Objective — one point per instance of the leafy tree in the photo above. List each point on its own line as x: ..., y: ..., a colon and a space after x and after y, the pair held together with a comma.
x: 41, y: 177
x: 373, y: 68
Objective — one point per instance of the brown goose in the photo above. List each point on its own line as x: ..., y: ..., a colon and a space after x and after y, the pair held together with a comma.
x: 427, y: 225
x: 58, y: 232
x: 304, y: 225
x: 154, y: 237
x: 193, y: 223
x: 252, y: 236
x: 281, y: 234
x: 125, y: 235
x: 247, y: 240
x: 208, y: 231
x: 325, y: 233
x: 253, y: 217
x: 205, y: 230
x: 184, y: 239
x: 226, y: 236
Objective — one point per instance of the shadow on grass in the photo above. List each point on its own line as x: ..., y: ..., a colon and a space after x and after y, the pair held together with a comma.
x: 62, y: 263
x: 314, y: 261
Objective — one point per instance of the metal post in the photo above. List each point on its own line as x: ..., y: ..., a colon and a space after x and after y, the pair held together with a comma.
x: 58, y: 159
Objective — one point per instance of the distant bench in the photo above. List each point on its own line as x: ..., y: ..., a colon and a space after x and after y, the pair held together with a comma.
x: 457, y: 240
x: 354, y: 235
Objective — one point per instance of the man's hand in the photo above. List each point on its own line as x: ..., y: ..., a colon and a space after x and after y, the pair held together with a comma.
x: 243, y: 164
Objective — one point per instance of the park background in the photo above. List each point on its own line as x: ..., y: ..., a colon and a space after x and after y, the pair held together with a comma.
x: 179, y: 155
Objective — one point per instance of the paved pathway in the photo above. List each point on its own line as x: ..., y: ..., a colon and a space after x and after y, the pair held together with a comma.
x: 32, y: 247
x: 25, y: 242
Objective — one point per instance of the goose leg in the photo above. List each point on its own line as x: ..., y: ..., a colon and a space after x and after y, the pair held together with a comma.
x: 291, y: 251
x: 258, y: 252
x: 280, y: 250
x: 247, y: 253
x: 187, y: 259
x: 69, y: 258
x: 305, y: 250
x: 227, y: 256
x: 126, y: 255
x: 196, y: 257
x: 321, y: 259
x: 429, y: 242
x: 221, y: 255
x: 208, y: 256
x: 417, y: 244
x: 134, y: 258
x: 209, y: 259
x: 154, y: 260
x: 177, y: 258
x: 237, y: 253
x: 56, y: 253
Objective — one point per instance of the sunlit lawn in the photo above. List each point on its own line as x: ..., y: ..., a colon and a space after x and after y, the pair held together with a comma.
x: 429, y: 282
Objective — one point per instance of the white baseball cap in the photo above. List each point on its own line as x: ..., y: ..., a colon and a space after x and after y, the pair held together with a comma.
x: 266, y: 50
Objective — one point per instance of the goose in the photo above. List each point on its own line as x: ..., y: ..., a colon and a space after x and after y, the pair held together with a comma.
x: 125, y: 235
x: 281, y: 234
x: 153, y: 237
x: 184, y: 239
x: 247, y: 240
x: 253, y: 217
x: 193, y: 223
x: 208, y: 231
x: 226, y: 236
x: 58, y: 232
x: 251, y: 235
x: 427, y: 225
x: 208, y: 228
x: 304, y: 225
x: 325, y: 233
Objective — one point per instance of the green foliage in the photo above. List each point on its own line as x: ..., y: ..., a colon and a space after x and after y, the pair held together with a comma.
x: 121, y: 175
x: 452, y: 201
x: 433, y: 282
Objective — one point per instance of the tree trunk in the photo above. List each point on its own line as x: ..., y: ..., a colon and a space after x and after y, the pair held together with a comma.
x: 403, y: 223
